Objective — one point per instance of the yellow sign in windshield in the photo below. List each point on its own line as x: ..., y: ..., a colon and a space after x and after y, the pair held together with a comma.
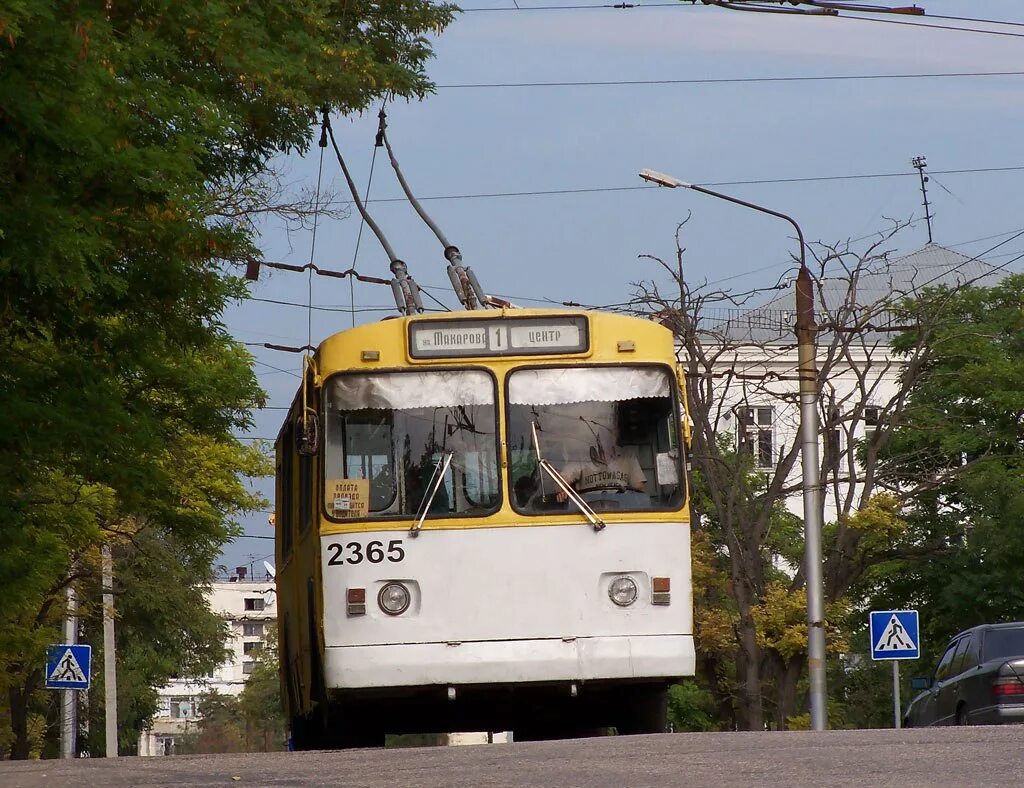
x: 348, y: 498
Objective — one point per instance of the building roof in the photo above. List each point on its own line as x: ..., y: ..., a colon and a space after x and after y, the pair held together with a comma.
x: 887, y: 282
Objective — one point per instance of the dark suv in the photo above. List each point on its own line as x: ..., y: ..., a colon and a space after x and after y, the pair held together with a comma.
x: 979, y: 680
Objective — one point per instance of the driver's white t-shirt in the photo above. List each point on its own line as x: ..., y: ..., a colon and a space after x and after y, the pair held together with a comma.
x: 622, y: 472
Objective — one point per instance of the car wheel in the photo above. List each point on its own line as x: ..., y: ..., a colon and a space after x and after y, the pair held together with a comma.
x: 961, y: 716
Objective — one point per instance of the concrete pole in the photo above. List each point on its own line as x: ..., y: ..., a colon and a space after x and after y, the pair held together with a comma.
x: 805, y: 330
x: 109, y: 655
x: 69, y: 697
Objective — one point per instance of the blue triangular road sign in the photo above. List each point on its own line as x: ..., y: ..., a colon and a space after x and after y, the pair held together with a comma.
x: 894, y: 634
x: 67, y: 666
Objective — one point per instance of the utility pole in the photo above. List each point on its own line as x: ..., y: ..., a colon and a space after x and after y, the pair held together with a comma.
x: 920, y: 163
x: 808, y: 373
x: 69, y: 697
x: 109, y: 655
x: 806, y: 331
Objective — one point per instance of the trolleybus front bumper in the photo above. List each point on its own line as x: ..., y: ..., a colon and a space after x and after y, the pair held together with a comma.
x: 643, y: 657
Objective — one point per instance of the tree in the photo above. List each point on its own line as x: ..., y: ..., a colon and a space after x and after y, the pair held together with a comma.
x: 220, y: 727
x: 740, y: 364
x: 260, y: 701
x: 135, y: 142
x: 962, y: 431
x: 690, y: 707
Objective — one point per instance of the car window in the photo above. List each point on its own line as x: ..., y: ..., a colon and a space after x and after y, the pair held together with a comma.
x: 972, y: 655
x: 942, y: 670
x: 957, y: 667
x: 1004, y: 643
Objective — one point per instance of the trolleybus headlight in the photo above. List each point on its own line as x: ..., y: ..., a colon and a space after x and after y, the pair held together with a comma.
x: 623, y: 591
x: 394, y: 599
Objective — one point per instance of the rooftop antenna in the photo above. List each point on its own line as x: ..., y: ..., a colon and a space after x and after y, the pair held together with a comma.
x: 920, y: 163
x: 407, y: 292
x: 463, y: 280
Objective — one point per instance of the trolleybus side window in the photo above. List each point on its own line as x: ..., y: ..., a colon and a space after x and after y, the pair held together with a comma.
x: 305, y: 491
x: 612, y: 433
x: 387, y: 432
x: 283, y: 508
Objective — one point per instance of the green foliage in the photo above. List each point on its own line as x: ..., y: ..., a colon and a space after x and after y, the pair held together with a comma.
x: 690, y: 707
x: 260, y: 701
x: 251, y: 722
x: 963, y: 430
x: 156, y: 580
x: 221, y: 728
x: 862, y: 692
x: 133, y: 139
x: 952, y: 547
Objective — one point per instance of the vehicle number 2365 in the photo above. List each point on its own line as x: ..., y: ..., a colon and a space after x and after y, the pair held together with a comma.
x: 355, y: 553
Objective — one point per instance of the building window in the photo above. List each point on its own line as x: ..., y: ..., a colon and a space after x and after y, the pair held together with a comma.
x: 872, y: 418
x: 163, y: 707
x: 251, y: 648
x: 247, y: 667
x: 252, y: 629
x: 165, y: 745
x: 182, y: 709
x: 254, y: 603
x: 756, y: 435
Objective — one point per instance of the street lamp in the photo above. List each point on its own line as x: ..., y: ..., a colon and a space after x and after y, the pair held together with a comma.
x: 808, y: 374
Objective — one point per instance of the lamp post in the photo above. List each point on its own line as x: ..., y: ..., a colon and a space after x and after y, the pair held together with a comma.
x: 808, y: 374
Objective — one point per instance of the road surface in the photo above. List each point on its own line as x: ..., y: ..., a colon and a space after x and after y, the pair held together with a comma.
x: 981, y: 756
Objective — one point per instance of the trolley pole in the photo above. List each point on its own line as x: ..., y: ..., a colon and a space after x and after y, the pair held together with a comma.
x: 807, y: 355
x: 109, y: 655
x: 69, y: 697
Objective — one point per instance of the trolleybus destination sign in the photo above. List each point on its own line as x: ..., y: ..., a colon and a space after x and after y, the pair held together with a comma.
x: 516, y: 336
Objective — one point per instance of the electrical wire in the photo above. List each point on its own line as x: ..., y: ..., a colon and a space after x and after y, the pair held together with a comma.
x: 972, y: 19
x: 953, y: 28
x: 647, y: 187
x: 587, y: 7
x: 729, y: 80
x: 905, y: 22
x: 277, y: 369
x: 319, y: 308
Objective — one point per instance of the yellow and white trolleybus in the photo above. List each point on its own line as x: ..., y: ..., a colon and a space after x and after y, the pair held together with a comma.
x: 482, y: 525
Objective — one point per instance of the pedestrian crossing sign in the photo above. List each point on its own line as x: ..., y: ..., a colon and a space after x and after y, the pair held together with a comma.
x: 895, y: 634
x: 67, y: 666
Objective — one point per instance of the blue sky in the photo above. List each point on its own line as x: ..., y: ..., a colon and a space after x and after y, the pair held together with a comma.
x: 583, y: 246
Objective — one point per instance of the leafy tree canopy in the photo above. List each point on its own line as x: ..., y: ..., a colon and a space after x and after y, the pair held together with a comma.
x: 134, y: 137
x: 955, y: 546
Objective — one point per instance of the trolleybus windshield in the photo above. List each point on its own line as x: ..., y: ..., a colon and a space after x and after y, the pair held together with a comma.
x: 610, y: 432
x: 386, y: 432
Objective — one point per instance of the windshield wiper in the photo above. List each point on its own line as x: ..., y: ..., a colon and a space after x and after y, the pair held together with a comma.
x: 566, y: 488
x: 436, y: 480
x: 573, y: 496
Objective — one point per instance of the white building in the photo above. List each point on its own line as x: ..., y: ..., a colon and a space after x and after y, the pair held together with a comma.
x: 249, y: 609
x: 756, y: 380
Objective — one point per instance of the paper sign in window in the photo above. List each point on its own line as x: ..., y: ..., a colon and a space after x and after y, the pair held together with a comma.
x: 666, y: 468
x: 348, y: 498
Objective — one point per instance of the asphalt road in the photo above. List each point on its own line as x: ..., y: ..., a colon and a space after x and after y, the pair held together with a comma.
x: 981, y: 756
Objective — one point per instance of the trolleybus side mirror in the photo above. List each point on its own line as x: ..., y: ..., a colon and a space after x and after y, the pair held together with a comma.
x: 307, y: 433
x: 920, y: 683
